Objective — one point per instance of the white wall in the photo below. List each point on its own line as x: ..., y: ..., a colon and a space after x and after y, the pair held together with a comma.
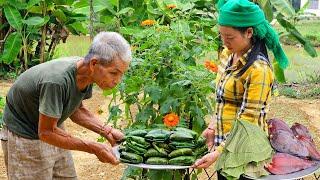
x: 314, y: 11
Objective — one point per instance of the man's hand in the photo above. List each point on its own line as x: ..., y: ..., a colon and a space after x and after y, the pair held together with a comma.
x: 206, y: 160
x: 104, y: 154
x: 209, y: 135
x: 114, y: 136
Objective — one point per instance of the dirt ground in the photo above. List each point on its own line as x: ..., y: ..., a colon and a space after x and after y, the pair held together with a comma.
x: 88, y: 166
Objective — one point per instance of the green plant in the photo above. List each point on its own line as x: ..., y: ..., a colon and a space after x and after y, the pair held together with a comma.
x: 313, y: 77
x: 164, y: 77
x: 31, y: 29
x: 289, y: 92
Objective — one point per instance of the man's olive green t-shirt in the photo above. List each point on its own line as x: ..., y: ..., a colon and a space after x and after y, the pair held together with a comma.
x: 50, y: 89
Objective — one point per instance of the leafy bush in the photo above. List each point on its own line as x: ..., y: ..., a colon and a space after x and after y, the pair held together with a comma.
x: 164, y: 77
x: 2, y: 103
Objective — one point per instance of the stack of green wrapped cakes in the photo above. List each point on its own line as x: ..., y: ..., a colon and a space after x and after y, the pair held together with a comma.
x: 180, y: 146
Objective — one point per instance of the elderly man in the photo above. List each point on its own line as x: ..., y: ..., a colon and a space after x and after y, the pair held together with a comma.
x: 34, y: 142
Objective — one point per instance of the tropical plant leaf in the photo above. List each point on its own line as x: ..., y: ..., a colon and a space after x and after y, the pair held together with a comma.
x: 59, y: 14
x: 2, y: 2
x: 131, y: 172
x: 31, y: 3
x: 267, y: 8
x: 12, y: 47
x: 78, y: 26
x: 279, y: 72
x: 82, y: 7
x: 18, y: 4
x: 130, y: 30
x: 283, y: 7
x: 124, y: 11
x: 35, y: 9
x: 59, y: 2
x: 115, y: 3
x: 13, y: 16
x: 308, y: 47
x: 198, y: 124
x: 35, y: 21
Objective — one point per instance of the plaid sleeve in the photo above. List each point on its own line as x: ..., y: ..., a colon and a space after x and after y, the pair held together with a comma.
x: 256, y: 95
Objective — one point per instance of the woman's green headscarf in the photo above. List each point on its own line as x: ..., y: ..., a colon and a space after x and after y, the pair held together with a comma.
x: 243, y: 13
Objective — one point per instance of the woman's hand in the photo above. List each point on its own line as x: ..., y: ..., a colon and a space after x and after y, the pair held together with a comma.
x: 206, y: 160
x: 209, y: 135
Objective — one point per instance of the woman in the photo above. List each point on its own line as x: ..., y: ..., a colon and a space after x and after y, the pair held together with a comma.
x: 245, y: 78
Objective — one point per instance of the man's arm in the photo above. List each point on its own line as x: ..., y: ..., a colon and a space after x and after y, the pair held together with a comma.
x: 51, y: 134
x: 87, y: 119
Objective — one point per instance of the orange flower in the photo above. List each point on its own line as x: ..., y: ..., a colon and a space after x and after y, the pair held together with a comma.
x: 148, y: 22
x: 171, y: 119
x: 171, y: 6
x: 211, y: 66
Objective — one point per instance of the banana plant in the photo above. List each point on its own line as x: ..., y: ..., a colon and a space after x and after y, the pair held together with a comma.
x: 29, y: 24
x: 287, y: 18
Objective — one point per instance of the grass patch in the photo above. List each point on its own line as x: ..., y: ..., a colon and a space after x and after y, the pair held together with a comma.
x: 301, y: 91
x: 75, y: 46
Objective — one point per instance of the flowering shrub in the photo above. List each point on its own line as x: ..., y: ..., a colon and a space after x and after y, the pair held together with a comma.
x: 164, y: 77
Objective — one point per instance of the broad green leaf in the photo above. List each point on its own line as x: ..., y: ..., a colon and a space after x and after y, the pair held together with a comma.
x: 130, y: 30
x: 186, y: 7
x: 125, y: 10
x: 279, y: 72
x: 13, y: 16
x: 284, y: 7
x: 131, y: 172
x: 34, y: 21
x: 295, y: 33
x: 35, y: 10
x: 59, y: 14
x: 266, y: 7
x: 12, y: 47
x: 98, y: 5
x: 18, y: 4
x: 109, y: 91
x: 107, y: 19
x: 182, y: 27
x: 169, y: 104
x: 60, y: 2
x: 31, y: 3
x: 160, y: 174
x: 162, y: 6
x: 152, y: 10
x: 198, y: 124
x: 115, y: 3
x: 154, y: 92
x: 2, y: 2
x: 78, y: 26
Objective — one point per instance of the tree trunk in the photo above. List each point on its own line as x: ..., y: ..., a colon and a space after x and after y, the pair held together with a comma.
x: 91, y: 20
x: 43, y: 43
x: 43, y: 36
x: 2, y: 31
x: 25, y: 53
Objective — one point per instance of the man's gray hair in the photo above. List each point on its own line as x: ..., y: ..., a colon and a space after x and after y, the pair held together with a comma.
x: 107, y: 46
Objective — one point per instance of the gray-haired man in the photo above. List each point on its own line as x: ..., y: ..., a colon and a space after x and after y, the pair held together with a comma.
x: 33, y: 140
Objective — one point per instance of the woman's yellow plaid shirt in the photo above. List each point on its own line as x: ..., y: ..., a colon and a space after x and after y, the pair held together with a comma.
x: 245, y: 97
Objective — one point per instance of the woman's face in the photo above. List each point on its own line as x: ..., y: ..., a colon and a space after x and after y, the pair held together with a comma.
x: 235, y: 40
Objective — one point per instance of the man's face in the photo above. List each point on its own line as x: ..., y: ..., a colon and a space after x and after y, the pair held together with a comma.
x: 107, y: 76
